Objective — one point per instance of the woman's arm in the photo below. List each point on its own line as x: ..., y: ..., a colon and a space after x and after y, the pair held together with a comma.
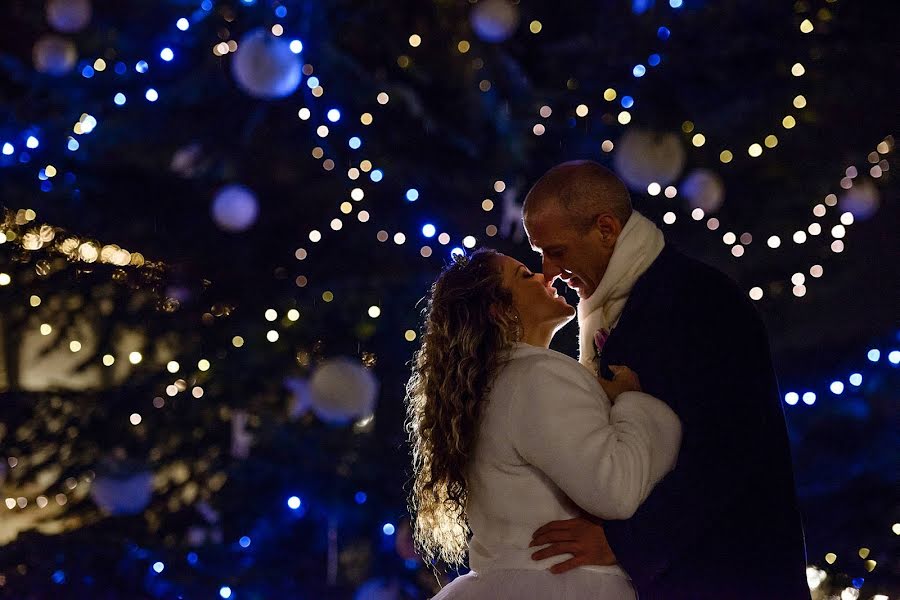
x: 607, y: 462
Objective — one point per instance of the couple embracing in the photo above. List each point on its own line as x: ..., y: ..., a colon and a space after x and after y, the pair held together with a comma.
x: 657, y: 468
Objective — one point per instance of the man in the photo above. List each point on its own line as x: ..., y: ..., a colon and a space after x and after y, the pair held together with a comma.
x: 725, y: 523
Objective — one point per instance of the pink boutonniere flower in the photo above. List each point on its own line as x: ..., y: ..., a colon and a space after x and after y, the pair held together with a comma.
x: 600, y: 337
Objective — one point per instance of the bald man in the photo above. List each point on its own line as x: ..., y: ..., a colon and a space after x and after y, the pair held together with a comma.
x: 725, y: 523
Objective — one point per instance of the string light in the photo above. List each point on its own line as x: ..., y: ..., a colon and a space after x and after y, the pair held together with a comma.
x: 837, y: 386
x: 801, y: 236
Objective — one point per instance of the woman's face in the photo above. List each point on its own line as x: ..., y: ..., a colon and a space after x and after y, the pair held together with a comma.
x: 536, y: 302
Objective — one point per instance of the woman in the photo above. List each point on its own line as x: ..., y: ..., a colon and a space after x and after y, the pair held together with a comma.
x: 508, y: 435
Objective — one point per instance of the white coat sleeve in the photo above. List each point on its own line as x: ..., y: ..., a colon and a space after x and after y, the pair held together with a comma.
x: 606, y: 461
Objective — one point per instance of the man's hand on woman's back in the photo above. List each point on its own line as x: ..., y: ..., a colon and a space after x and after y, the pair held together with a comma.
x: 582, y: 537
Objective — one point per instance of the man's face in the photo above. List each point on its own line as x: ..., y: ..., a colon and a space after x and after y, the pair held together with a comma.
x: 577, y: 257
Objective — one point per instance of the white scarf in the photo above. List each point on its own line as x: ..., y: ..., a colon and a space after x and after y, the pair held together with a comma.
x: 638, y: 245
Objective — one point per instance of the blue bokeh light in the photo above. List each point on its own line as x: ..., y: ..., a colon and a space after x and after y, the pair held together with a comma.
x: 388, y: 529
x: 429, y: 230
x: 59, y: 577
x: 361, y: 497
x: 296, y: 46
x: 412, y: 194
x: 206, y: 5
x: 894, y: 357
x: 376, y: 175
x: 166, y: 54
x: 281, y: 12
x: 141, y: 66
x: 87, y: 72
x: 809, y: 398
x: 856, y: 379
x: 46, y: 186
x: 244, y: 541
x: 183, y: 24
x: 192, y: 558
x: 874, y: 355
x: 225, y: 591
x: 158, y: 567
x: 152, y: 95
x: 24, y: 157
x: 334, y: 115
x: 627, y: 101
x: 294, y: 502
x: 676, y: 3
x: 792, y: 398
x: 457, y: 252
x: 837, y: 387
x: 32, y: 142
x: 119, y: 99
x: 654, y: 59
x: 120, y: 68
x: 639, y: 7
x: 312, y: 82
x: 639, y: 70
x: 355, y: 142
x: 8, y: 149
x: 663, y: 33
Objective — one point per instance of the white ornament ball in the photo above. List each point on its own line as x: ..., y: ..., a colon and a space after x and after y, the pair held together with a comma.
x: 862, y: 200
x: 342, y: 389
x: 54, y: 55
x: 264, y: 66
x: 69, y: 16
x: 235, y: 208
x: 123, y: 494
x: 703, y: 189
x: 495, y: 20
x: 645, y: 157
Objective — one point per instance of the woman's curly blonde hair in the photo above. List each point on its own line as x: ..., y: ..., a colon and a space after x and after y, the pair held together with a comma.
x: 470, y: 328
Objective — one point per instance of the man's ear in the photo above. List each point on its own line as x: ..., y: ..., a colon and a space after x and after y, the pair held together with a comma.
x: 609, y: 227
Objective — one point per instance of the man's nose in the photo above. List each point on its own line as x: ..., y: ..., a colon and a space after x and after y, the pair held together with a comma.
x: 551, y: 271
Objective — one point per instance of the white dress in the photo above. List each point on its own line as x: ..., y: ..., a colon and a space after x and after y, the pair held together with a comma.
x: 549, y: 446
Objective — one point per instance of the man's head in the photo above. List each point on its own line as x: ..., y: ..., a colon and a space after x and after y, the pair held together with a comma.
x: 574, y: 215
